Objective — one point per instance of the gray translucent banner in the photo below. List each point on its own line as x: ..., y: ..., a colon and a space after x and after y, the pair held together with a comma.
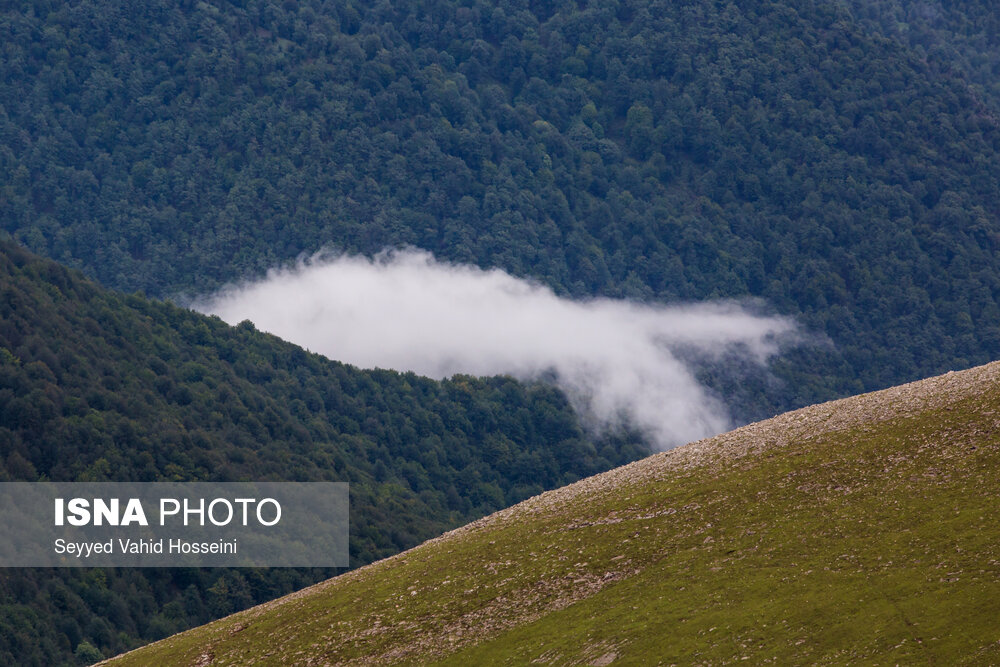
x: 173, y: 524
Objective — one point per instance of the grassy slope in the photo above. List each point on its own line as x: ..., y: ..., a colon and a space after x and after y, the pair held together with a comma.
x: 856, y: 531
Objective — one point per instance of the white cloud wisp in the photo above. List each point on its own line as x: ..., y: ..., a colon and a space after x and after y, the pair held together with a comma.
x: 616, y: 360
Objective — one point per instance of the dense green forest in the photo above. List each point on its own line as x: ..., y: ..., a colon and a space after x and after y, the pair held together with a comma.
x: 838, y: 159
x: 962, y: 36
x: 801, y: 151
x: 99, y: 386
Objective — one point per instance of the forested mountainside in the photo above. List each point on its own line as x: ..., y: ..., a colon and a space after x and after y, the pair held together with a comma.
x: 962, y: 36
x: 837, y: 159
x: 860, y: 531
x: 793, y: 150
x: 99, y: 386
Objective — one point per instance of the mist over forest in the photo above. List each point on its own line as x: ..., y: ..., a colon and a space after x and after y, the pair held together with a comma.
x: 617, y: 360
x: 674, y: 187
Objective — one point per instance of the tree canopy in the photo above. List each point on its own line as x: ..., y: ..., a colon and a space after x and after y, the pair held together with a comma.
x: 800, y: 151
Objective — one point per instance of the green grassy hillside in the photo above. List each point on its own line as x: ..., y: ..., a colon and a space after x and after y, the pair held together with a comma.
x: 861, y: 531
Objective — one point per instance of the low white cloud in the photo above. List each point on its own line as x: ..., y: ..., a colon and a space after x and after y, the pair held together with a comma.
x: 616, y: 360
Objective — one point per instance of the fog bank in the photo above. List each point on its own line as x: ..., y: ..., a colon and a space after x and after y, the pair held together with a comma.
x: 616, y: 360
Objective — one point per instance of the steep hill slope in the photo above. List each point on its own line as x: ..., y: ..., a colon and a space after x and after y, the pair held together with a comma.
x: 99, y: 386
x: 858, y: 531
x: 790, y: 150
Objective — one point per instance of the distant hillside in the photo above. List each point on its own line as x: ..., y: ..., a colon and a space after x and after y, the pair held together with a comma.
x: 98, y: 386
x: 861, y: 531
x: 803, y: 152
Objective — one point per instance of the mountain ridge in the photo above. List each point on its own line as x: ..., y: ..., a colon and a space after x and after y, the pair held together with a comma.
x: 871, y: 422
